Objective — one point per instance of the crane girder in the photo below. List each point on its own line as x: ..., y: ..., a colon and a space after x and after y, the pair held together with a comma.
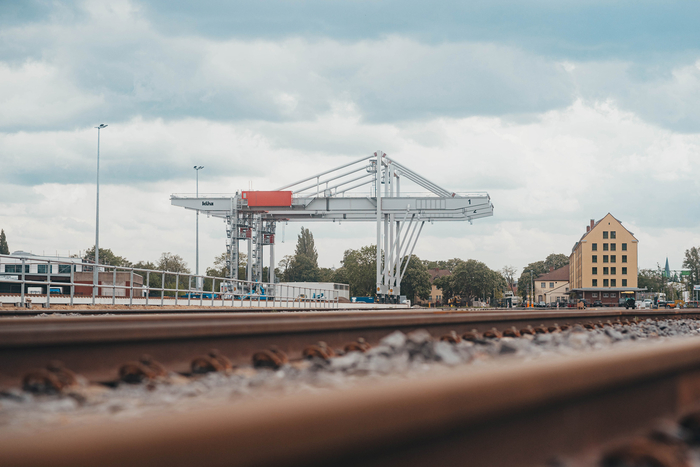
x: 330, y: 196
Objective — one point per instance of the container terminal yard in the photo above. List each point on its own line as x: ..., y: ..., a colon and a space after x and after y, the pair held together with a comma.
x: 109, y: 367
x: 308, y: 233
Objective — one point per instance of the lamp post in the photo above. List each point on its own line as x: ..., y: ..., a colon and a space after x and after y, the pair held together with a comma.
x: 95, y: 275
x: 197, y: 168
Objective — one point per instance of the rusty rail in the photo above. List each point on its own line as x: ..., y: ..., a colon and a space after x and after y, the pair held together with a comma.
x: 96, y: 346
x: 511, y: 413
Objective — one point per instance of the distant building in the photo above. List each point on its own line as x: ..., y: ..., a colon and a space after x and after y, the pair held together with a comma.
x: 553, y: 286
x: 436, y: 297
x: 38, y: 269
x: 603, y: 263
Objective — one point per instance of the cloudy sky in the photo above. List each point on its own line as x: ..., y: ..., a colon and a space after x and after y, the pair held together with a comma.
x: 561, y: 110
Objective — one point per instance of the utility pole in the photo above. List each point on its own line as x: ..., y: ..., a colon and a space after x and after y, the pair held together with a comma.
x: 95, y: 273
x: 197, y: 168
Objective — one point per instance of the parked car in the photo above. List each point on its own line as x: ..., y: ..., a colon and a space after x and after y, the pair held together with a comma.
x: 597, y: 303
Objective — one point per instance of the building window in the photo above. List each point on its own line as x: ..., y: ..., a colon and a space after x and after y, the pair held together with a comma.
x: 594, y: 246
x: 613, y: 282
x: 612, y: 234
x: 624, y: 247
x: 612, y: 246
x: 605, y: 295
x: 624, y: 271
x: 551, y: 285
x: 544, y: 285
x: 605, y: 283
x: 567, y: 290
x: 613, y: 258
x: 613, y: 271
x: 605, y: 271
x: 613, y: 295
x: 605, y: 258
x: 595, y: 284
x: 624, y: 258
x: 624, y: 282
x: 594, y: 271
x: 605, y: 247
x: 42, y: 268
x: 64, y: 268
x: 16, y: 268
x: 594, y: 258
x: 605, y: 235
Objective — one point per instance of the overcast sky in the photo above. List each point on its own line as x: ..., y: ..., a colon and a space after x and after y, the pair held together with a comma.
x: 561, y: 110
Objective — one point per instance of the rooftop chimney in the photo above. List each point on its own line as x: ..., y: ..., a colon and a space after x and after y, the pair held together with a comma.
x: 592, y: 223
x: 551, y: 268
x: 588, y: 228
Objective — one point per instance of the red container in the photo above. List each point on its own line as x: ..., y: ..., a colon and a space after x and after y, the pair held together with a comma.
x: 268, y: 198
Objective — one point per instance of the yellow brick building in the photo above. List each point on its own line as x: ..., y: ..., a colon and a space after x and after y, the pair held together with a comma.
x: 603, y: 263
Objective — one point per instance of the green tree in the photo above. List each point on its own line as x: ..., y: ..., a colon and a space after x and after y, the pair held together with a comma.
x: 172, y: 263
x: 4, y: 249
x: 106, y: 257
x: 450, y: 264
x: 306, y: 246
x: 359, y: 270
x: 154, y: 279
x: 416, y: 280
x: 556, y: 261
x: 304, y: 265
x: 303, y: 269
x: 652, y: 279
x: 525, y: 282
x: 326, y: 274
x: 508, y: 272
x: 691, y: 261
x: 446, y: 286
x: 284, y: 264
x: 471, y: 279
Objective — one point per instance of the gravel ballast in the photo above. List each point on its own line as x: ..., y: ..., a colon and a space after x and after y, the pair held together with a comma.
x: 398, y: 355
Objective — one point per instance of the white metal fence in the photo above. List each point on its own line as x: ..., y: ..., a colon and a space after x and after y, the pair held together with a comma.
x: 62, y: 282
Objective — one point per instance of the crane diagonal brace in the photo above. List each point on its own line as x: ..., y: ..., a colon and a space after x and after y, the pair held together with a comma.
x: 321, y: 198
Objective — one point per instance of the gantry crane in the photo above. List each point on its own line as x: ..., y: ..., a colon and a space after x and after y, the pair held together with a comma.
x: 365, y: 190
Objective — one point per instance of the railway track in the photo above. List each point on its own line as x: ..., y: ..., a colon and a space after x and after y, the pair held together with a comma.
x: 508, y: 413
x: 96, y: 346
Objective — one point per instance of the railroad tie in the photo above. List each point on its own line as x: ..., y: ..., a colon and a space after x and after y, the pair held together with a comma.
x: 213, y: 361
x: 272, y: 358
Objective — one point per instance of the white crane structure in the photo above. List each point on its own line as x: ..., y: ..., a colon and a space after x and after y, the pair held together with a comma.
x: 365, y: 190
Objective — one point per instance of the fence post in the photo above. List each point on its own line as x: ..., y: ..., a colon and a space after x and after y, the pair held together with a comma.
x: 148, y: 285
x: 72, y: 283
x: 114, y: 286
x: 213, y: 286
x: 189, y: 290
x: 48, y: 285
x: 22, y: 286
x: 131, y: 291
x: 177, y: 286
x: 162, y: 288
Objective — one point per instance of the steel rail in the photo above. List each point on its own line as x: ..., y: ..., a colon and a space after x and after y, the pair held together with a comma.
x: 509, y: 413
x: 96, y: 346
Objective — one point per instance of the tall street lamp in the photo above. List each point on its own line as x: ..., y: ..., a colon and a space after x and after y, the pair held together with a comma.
x: 197, y: 168
x: 95, y: 276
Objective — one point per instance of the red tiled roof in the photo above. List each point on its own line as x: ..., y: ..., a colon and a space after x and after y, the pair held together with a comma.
x: 435, y: 273
x: 561, y: 274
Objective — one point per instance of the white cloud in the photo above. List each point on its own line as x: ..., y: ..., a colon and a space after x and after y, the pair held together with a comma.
x: 546, y: 179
